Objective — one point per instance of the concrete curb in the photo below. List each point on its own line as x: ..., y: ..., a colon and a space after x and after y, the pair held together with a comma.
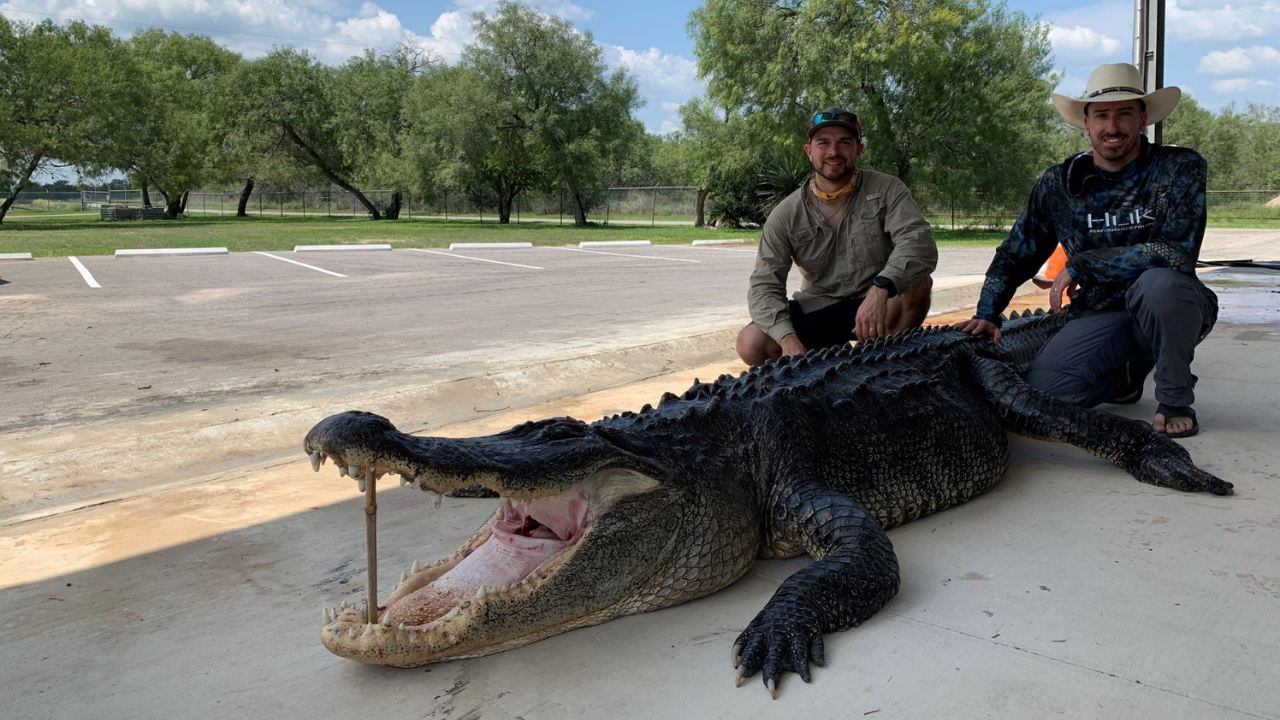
x: 718, y: 242
x: 488, y: 246
x: 150, y: 252
x: 15, y: 256
x: 332, y: 248
x: 614, y: 243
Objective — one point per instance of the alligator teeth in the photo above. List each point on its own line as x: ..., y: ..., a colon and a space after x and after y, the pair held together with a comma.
x: 480, y: 593
x: 342, y: 471
x: 351, y: 633
x: 416, y: 567
x: 386, y: 620
x: 315, y: 461
x: 403, y: 577
x: 403, y: 480
x: 328, y: 616
x: 354, y: 471
x: 368, y: 630
x: 401, y: 628
x: 360, y: 484
x: 344, y: 604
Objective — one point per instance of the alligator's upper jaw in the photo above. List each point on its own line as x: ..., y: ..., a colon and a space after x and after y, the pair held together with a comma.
x: 489, y: 595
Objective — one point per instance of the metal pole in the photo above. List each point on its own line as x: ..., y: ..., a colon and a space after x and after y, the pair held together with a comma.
x: 281, y: 204
x: 607, y: 197
x: 653, y: 220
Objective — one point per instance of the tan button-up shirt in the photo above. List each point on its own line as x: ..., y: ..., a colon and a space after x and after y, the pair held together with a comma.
x: 881, y: 233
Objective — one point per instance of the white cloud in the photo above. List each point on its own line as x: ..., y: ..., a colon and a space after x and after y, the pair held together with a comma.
x: 1239, y: 60
x: 1082, y: 42
x: 674, y: 78
x: 1213, y: 20
x: 1070, y: 86
x: 1234, y: 85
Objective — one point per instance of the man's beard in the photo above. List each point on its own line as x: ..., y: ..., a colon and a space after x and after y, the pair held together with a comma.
x: 1116, y: 152
x: 835, y: 176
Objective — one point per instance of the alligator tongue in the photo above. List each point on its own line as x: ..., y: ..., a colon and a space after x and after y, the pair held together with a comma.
x: 525, y: 537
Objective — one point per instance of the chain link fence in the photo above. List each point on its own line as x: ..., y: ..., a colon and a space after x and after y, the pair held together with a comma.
x: 673, y: 205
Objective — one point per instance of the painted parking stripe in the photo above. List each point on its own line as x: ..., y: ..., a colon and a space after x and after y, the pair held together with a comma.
x: 468, y: 257
x: 295, y: 262
x: 84, y: 272
x: 642, y: 257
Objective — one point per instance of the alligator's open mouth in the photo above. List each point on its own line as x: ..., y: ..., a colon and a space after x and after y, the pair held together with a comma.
x: 442, y: 610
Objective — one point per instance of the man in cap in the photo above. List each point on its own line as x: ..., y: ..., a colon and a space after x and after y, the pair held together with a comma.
x: 1130, y: 216
x: 864, y: 252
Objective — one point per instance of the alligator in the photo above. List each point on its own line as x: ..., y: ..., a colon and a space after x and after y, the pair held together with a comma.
x: 818, y: 454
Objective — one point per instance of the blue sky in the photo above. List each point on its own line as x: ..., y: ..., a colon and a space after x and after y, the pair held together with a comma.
x: 1220, y: 52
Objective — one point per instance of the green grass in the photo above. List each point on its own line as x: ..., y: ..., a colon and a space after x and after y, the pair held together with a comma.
x: 63, y: 236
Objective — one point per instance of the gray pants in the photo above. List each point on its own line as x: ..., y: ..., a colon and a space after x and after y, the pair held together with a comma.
x: 1167, y: 314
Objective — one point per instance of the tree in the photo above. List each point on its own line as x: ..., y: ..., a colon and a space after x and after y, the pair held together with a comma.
x: 553, y: 99
x: 942, y: 87
x: 370, y: 123
x: 180, y: 137
x: 65, y: 99
x: 292, y: 93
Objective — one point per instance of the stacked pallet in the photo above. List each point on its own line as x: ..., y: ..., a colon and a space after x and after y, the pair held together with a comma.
x: 121, y: 212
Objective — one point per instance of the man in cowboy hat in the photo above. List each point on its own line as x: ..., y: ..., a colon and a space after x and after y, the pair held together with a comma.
x: 863, y: 248
x: 1131, y: 218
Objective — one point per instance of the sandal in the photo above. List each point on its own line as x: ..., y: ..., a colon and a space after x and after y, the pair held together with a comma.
x: 1172, y: 411
x: 1136, y: 373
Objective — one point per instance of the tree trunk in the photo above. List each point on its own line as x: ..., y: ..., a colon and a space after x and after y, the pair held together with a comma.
x: 324, y: 168
x: 505, y: 198
x: 146, y: 195
x: 17, y: 188
x: 579, y: 210
x: 244, y: 197
x: 700, y: 199
x: 393, y: 210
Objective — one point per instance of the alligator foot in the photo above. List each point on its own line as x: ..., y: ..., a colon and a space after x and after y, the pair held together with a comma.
x: 1165, y: 463
x: 780, y: 639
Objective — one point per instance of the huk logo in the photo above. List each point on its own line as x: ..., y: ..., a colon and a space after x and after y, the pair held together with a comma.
x: 1122, y: 221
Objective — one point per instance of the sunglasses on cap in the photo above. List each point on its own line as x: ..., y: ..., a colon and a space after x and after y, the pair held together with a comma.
x: 840, y: 117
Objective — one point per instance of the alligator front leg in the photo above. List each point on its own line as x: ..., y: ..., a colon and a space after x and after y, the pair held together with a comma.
x: 856, y: 573
x: 1149, y: 456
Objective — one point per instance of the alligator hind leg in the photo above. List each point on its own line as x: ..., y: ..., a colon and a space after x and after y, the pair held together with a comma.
x: 856, y: 573
x: 1133, y: 445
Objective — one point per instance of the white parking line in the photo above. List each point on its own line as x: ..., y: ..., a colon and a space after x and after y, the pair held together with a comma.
x: 642, y: 257
x: 295, y: 262
x: 468, y: 257
x: 84, y: 273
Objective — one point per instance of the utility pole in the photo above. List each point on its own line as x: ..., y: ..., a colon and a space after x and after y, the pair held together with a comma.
x: 1148, y: 52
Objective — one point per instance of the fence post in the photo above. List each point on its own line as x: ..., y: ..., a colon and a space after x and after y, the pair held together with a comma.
x: 561, y: 206
x: 259, y: 204
x: 281, y: 195
x: 653, y: 220
x: 446, y: 203
x: 608, y: 195
x: 953, y: 213
x: 304, y: 203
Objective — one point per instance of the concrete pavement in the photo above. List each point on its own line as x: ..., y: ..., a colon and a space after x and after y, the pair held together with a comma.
x: 1069, y: 590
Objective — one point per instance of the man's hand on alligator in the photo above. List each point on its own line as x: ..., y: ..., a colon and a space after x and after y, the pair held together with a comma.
x: 819, y: 454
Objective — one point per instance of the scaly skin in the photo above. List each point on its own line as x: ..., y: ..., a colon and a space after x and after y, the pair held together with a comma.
x: 816, y: 455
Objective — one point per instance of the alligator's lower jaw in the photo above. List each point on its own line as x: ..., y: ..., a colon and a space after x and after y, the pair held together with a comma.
x: 448, y: 609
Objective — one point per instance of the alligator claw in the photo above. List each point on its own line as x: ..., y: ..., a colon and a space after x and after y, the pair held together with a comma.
x: 775, y: 644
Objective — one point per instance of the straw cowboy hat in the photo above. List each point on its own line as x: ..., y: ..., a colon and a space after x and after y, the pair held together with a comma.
x: 1110, y: 83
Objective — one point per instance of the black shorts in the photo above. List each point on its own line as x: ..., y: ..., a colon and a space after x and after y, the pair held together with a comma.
x: 828, y: 327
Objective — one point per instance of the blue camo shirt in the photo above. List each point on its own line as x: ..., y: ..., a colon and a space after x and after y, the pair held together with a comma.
x: 1113, y: 226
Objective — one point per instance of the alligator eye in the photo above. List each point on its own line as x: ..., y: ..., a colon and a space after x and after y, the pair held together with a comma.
x: 563, y: 431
